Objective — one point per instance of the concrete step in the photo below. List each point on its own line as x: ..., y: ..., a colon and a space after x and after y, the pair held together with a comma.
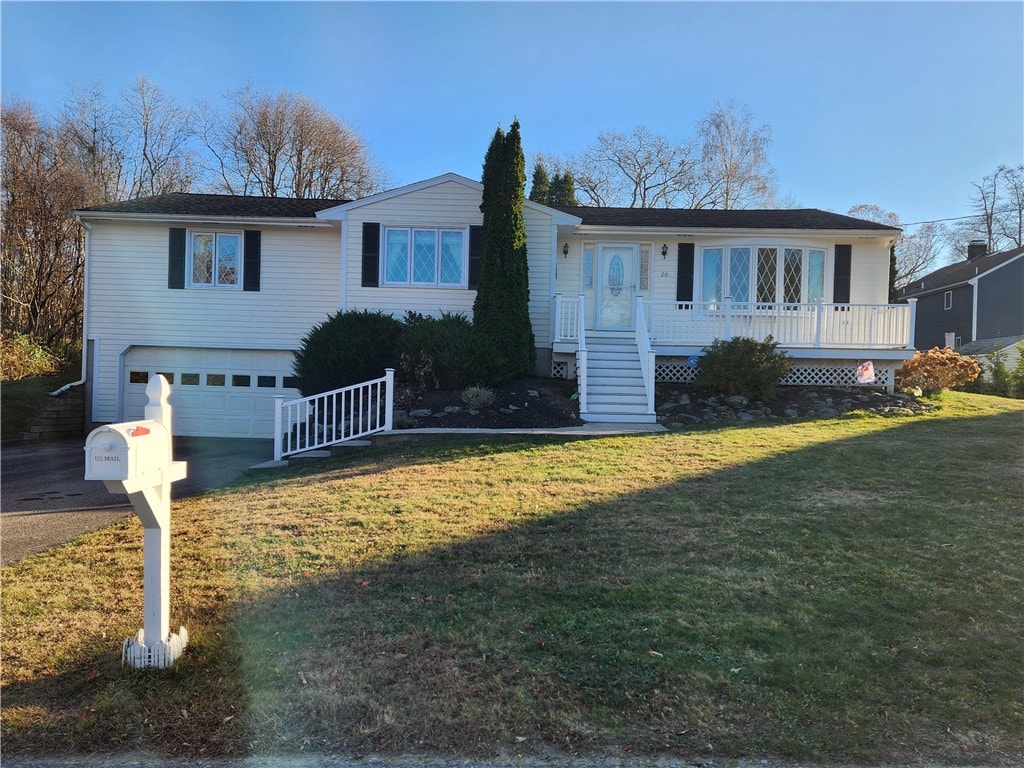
x: 619, y: 418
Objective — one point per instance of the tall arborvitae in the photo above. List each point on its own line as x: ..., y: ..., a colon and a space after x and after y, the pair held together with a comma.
x: 540, y: 184
x: 501, y: 309
x: 893, y: 269
x: 563, y: 190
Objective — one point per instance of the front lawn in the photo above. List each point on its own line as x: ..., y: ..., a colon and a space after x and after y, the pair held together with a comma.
x: 850, y: 589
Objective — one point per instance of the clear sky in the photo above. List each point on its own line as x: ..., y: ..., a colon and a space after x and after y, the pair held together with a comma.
x: 897, y: 104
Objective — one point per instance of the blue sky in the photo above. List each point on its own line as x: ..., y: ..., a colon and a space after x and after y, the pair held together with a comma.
x: 896, y: 104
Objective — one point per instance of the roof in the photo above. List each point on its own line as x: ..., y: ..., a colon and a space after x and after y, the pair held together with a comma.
x: 713, y: 218
x: 988, y: 346
x: 189, y: 204
x: 958, y: 273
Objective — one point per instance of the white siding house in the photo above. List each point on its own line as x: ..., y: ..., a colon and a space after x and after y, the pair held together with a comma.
x: 218, y: 291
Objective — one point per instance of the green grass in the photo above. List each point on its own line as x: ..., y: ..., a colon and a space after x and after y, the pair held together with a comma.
x: 836, y: 590
x: 21, y: 400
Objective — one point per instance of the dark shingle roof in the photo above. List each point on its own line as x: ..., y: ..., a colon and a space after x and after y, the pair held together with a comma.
x: 682, y: 218
x: 958, y: 274
x: 188, y: 204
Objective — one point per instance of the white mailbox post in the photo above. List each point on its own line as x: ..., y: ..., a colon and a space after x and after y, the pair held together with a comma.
x: 135, y: 458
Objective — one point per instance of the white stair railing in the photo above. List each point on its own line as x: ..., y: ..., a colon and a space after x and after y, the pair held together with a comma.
x: 647, y: 355
x: 333, y: 417
x: 581, y: 355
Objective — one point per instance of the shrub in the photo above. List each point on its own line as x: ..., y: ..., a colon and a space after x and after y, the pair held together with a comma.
x: 478, y: 398
x: 461, y: 355
x: 936, y: 370
x: 1017, y: 374
x: 23, y: 358
x: 347, y: 348
x: 743, y: 366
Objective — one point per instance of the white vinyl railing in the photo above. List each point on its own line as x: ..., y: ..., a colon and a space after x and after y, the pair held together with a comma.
x: 862, y: 326
x: 567, y: 317
x: 647, y: 356
x: 581, y: 353
x: 333, y: 417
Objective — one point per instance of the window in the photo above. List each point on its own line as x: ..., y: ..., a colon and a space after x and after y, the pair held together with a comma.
x: 190, y: 379
x: 762, y: 274
x: 588, y: 267
x: 266, y: 382
x: 947, y: 300
x: 241, y: 380
x: 425, y: 257
x: 214, y: 259
x: 645, y: 269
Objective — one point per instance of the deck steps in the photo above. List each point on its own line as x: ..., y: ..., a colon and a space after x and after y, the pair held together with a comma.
x: 615, y: 380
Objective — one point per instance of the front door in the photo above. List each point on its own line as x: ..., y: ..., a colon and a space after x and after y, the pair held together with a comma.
x: 616, y: 285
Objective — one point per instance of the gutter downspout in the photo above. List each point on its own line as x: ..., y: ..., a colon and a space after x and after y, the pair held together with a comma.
x: 85, y: 306
x: 974, y: 307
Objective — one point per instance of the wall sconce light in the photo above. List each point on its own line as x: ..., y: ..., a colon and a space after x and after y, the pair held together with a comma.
x: 664, y: 250
x: 565, y: 250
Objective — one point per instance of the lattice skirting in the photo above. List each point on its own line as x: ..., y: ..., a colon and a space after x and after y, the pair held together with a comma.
x: 802, y: 373
x: 805, y: 373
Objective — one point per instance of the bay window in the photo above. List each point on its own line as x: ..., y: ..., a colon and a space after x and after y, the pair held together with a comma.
x: 762, y: 274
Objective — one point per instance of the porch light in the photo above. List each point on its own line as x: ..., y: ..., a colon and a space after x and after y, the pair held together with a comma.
x: 565, y: 249
x: 664, y: 250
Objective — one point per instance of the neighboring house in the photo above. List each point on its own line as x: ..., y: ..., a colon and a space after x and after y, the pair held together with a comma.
x: 1007, y: 349
x: 216, y: 292
x: 977, y: 300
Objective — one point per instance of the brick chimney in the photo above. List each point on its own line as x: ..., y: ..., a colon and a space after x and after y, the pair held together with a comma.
x: 976, y: 249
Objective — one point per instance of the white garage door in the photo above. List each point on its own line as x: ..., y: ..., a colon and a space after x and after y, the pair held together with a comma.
x: 214, y: 392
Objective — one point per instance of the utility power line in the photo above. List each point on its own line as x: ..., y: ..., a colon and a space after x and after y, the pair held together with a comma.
x: 953, y: 218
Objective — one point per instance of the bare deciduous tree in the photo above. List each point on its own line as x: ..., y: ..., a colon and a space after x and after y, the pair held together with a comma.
x: 639, y: 169
x: 42, y: 255
x: 734, y: 158
x: 725, y: 166
x: 285, y: 145
x: 157, y: 137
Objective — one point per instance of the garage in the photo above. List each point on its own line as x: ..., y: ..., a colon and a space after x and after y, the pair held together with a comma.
x: 214, y: 392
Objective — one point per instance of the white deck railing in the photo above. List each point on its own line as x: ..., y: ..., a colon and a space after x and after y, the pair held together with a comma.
x: 859, y: 326
x: 333, y: 417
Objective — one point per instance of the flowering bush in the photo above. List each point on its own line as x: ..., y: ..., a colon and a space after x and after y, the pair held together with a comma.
x: 936, y: 370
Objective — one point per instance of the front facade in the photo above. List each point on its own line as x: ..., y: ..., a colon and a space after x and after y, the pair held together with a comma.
x: 216, y: 292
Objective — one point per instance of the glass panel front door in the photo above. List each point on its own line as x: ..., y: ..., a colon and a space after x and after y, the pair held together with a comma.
x: 616, y: 286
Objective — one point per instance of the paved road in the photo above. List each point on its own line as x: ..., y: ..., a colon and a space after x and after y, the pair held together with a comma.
x: 44, y: 499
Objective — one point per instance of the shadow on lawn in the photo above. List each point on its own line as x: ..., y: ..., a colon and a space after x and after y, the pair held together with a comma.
x: 722, y: 614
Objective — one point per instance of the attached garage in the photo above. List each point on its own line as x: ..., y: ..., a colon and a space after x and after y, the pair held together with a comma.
x: 214, y: 392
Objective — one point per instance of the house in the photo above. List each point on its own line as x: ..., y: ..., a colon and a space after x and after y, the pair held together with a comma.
x: 971, y: 302
x: 216, y: 293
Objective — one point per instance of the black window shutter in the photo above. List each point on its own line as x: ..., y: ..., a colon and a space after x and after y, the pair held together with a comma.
x: 476, y: 249
x: 251, y: 264
x: 371, y: 254
x: 684, y: 272
x: 176, y: 259
x: 841, y: 276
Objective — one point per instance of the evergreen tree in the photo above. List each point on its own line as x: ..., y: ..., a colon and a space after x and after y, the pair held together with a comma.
x: 563, y: 190
x: 540, y: 185
x: 501, y: 309
x: 893, y: 272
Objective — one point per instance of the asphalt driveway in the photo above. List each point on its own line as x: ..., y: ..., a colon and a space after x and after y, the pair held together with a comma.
x: 45, y: 501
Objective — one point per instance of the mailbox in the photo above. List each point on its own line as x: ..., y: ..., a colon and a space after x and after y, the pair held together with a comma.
x: 127, y: 451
